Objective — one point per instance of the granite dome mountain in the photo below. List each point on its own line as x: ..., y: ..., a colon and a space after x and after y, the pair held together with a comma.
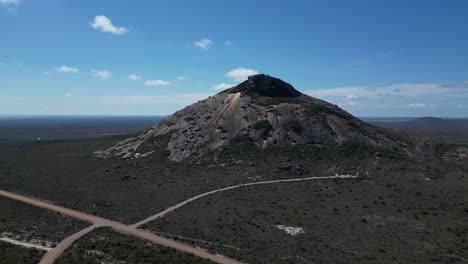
x: 264, y: 110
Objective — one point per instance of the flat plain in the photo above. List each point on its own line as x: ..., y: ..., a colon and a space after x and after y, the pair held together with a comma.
x: 397, y: 210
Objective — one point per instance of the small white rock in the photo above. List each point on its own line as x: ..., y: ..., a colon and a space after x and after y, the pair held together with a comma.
x: 290, y: 230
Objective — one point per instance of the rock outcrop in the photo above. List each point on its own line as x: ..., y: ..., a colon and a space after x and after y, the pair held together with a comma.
x: 265, y: 110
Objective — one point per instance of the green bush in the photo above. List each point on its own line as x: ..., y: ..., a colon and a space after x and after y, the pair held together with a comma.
x: 262, y: 124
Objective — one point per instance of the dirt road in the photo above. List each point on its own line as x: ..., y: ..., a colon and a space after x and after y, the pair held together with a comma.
x: 57, y: 251
x: 56, y: 208
x: 133, y: 230
x: 179, y: 205
x: 52, y: 255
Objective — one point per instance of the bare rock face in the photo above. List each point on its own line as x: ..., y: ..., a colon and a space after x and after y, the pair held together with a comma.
x: 263, y: 109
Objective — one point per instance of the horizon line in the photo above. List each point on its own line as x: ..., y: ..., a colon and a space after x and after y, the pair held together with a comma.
x: 162, y: 115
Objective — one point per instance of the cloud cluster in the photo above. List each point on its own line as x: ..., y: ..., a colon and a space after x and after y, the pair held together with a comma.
x: 105, y: 74
x: 417, y: 105
x: 404, y: 90
x: 134, y: 77
x: 9, y: 2
x: 180, y: 98
x: 403, y: 99
x: 102, y: 74
x: 66, y: 69
x: 203, y: 43
x: 156, y: 83
x: 10, y: 5
x: 104, y: 24
x: 240, y: 74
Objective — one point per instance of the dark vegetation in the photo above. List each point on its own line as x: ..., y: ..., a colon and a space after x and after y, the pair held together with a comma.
x: 15, y: 130
x: 12, y: 254
x: 28, y: 223
x: 106, y: 246
x: 265, y: 85
x: 398, y: 211
x: 267, y: 101
x: 262, y: 124
x: 129, y: 190
x: 447, y: 130
x: 313, y: 108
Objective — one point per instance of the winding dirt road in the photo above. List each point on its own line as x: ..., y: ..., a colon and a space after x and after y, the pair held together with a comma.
x: 57, y: 251
x: 194, y: 198
x: 52, y: 255
x: 133, y: 230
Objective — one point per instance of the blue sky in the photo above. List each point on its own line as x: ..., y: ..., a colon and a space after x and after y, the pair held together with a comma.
x: 373, y: 58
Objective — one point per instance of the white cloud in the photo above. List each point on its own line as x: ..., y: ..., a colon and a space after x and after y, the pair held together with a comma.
x: 101, y: 74
x: 240, y: 74
x: 404, y: 90
x: 203, y: 43
x: 104, y: 24
x: 9, y: 2
x: 132, y: 99
x: 341, y: 92
x: 68, y: 95
x: 417, y: 105
x: 228, y: 43
x: 156, y: 83
x: 181, y: 78
x: 10, y: 6
x: 185, y: 98
x: 134, y: 77
x: 430, y: 98
x: 222, y: 86
x: 67, y: 69
x: 348, y: 103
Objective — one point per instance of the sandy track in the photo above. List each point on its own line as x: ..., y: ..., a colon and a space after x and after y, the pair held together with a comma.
x: 24, y: 244
x: 132, y: 230
x: 194, y: 198
x: 53, y: 254
x: 56, y: 208
x: 119, y: 227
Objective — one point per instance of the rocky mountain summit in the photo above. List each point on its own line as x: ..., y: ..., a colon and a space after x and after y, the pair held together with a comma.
x: 263, y: 110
